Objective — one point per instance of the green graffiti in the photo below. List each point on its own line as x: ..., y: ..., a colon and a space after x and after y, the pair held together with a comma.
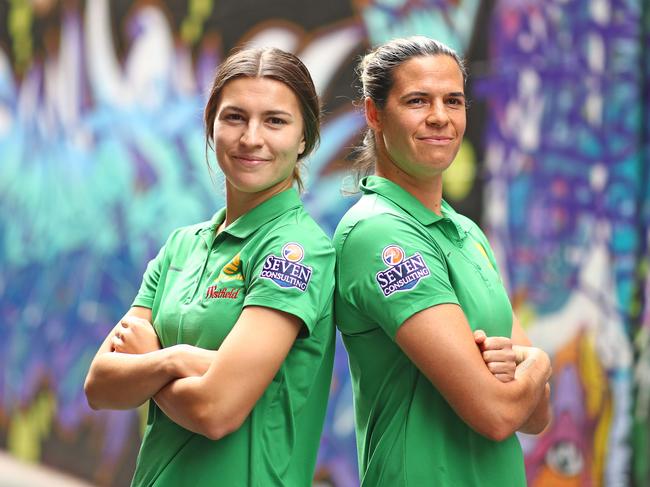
x: 19, y: 23
x: 192, y: 26
x: 29, y: 426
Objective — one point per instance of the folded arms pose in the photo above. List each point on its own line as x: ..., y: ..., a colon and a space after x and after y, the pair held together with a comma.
x: 231, y: 335
x: 442, y: 373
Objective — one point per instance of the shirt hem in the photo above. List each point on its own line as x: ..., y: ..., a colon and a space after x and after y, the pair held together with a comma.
x: 281, y: 306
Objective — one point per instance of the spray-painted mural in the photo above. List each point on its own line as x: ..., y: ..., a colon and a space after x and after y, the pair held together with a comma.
x: 102, y: 154
x: 567, y: 190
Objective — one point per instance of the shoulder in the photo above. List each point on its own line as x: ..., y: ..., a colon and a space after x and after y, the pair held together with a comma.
x: 294, y: 235
x: 297, y: 225
x: 373, y: 222
x: 299, y: 221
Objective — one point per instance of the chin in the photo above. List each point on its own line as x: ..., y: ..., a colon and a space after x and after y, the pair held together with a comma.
x: 253, y: 186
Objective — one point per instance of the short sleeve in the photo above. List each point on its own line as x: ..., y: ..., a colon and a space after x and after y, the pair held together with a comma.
x: 388, y: 269
x: 147, y: 292
x: 292, y: 270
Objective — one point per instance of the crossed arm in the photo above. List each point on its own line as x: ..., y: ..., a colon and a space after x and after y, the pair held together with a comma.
x: 212, y: 393
x: 510, y: 394
x: 119, y: 380
x: 208, y: 392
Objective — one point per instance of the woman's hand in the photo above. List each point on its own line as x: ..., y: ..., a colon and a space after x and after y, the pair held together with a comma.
x: 135, y: 335
x: 532, y: 357
x: 498, y: 355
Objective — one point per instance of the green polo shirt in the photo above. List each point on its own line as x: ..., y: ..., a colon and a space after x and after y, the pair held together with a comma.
x: 395, y: 258
x: 274, y: 256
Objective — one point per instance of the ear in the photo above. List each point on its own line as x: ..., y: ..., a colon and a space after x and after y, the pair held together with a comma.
x: 301, y: 147
x: 372, y: 114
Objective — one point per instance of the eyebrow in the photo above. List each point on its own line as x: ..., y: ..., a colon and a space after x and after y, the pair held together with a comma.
x: 456, y: 94
x: 267, y: 113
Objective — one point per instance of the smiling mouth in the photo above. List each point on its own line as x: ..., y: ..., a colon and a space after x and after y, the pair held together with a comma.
x: 250, y: 160
x: 436, y: 140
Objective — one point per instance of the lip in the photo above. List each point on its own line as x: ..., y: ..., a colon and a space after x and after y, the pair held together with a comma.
x: 250, y: 160
x: 436, y: 140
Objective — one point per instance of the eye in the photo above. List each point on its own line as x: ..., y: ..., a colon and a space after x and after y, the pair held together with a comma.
x: 458, y: 102
x: 233, y: 117
x: 416, y: 101
x: 277, y: 121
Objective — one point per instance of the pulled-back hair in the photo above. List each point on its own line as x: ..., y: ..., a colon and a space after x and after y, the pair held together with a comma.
x: 269, y: 62
x: 376, y: 74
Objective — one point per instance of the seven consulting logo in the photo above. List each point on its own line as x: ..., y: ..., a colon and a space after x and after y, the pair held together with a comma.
x: 287, y: 271
x: 403, y: 272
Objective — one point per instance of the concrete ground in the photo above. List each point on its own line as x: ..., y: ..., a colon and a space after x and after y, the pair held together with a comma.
x: 15, y: 473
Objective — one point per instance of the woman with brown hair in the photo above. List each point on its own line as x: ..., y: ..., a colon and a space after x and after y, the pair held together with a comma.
x: 231, y: 333
x: 418, y: 288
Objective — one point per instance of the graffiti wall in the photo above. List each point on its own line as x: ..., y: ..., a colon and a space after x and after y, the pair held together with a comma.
x: 102, y: 154
x: 567, y: 207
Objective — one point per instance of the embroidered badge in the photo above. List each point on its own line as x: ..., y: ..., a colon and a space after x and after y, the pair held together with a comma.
x: 481, y: 249
x: 214, y: 292
x: 231, y: 271
x: 287, y: 271
x: 403, y: 272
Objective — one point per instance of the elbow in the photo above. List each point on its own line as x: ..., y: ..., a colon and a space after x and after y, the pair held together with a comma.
x: 91, y: 394
x: 216, y: 432
x: 506, y: 422
x: 498, y: 432
x: 539, y: 423
x: 541, y: 416
x: 217, y: 426
x: 99, y: 396
x: 498, y: 426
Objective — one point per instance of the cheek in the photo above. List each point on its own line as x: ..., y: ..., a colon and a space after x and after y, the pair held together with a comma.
x: 460, y: 122
x: 288, y: 146
x: 219, y: 139
x: 403, y: 127
x: 398, y: 138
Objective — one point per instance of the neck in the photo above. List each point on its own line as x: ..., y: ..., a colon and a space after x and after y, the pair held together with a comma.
x: 427, y: 190
x: 239, y: 203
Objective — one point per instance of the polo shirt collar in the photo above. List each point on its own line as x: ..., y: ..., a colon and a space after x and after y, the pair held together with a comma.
x: 411, y: 205
x: 255, y: 218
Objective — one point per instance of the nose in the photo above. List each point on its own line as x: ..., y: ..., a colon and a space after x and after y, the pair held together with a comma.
x: 437, y: 116
x: 251, y: 136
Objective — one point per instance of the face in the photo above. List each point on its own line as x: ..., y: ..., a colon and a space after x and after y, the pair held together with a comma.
x: 421, y: 127
x: 258, y: 135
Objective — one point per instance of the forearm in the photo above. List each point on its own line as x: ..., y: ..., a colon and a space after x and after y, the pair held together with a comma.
x: 511, y: 405
x: 540, y: 417
x: 195, y: 360
x: 181, y: 403
x: 186, y: 402
x: 125, y: 381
